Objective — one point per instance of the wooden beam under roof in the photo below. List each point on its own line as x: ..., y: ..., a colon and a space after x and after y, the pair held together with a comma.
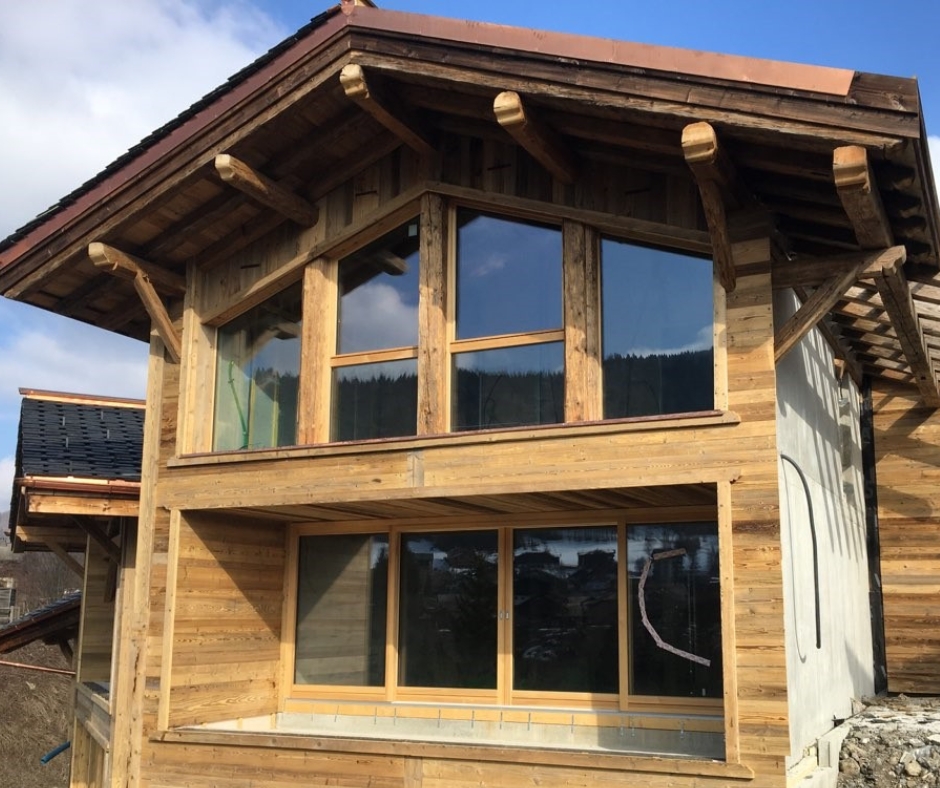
x: 712, y: 173
x: 858, y: 191
x: 372, y: 100
x: 540, y: 140
x: 814, y: 271
x: 99, y: 536
x: 265, y: 191
x: 142, y: 275
x: 127, y: 266
x: 825, y: 297
x: 896, y: 297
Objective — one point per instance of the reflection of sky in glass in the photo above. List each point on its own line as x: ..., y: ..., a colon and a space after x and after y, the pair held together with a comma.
x: 381, y: 313
x: 567, y: 544
x: 655, y: 302
x: 508, y: 276
x: 546, y: 358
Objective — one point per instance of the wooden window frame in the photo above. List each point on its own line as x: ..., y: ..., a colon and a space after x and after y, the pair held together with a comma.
x: 317, y: 268
x: 504, y: 696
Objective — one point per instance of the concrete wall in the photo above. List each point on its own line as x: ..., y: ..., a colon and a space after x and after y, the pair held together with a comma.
x: 818, y: 429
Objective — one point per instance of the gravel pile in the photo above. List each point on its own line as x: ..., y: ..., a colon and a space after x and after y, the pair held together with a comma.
x: 893, y: 742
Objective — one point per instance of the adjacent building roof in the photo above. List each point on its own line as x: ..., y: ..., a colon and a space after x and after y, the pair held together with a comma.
x: 53, y: 623
x: 83, y: 449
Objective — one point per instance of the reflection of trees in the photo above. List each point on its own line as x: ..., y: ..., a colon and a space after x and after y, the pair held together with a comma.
x: 654, y: 384
x: 375, y: 407
x: 683, y: 603
x: 448, y: 611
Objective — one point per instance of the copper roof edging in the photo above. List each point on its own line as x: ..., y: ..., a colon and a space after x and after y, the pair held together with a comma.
x: 712, y: 65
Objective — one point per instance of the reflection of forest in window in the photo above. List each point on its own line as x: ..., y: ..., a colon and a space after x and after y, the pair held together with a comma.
x: 683, y: 604
x: 375, y: 401
x: 657, y: 384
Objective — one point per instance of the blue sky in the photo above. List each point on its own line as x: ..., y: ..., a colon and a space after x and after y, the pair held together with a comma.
x: 81, y: 82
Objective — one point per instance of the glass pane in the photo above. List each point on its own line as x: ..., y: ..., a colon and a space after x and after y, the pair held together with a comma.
x: 342, y: 588
x: 509, y: 387
x: 375, y: 400
x: 508, y: 276
x: 658, y: 337
x: 257, y: 370
x: 378, y: 286
x: 682, y: 598
x: 447, y: 627
x: 565, y: 609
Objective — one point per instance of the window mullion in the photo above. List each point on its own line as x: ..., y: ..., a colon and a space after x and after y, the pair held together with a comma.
x: 505, y: 619
x: 391, y: 627
x: 433, y: 313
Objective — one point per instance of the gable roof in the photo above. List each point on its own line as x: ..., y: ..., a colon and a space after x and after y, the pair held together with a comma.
x: 288, y: 116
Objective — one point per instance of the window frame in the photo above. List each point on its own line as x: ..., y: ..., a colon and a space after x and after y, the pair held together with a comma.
x: 504, y: 695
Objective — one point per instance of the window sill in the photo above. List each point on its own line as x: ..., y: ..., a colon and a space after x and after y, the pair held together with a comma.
x: 711, y: 418
x: 233, y: 734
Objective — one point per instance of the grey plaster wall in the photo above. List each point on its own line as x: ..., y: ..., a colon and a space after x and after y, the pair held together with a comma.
x: 818, y: 429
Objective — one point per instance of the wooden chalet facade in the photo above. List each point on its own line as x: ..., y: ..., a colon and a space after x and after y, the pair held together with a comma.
x: 512, y: 398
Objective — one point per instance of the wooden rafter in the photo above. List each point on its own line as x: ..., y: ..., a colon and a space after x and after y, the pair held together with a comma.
x: 265, y: 191
x: 126, y: 266
x: 540, y: 140
x: 100, y: 537
x: 146, y: 278
x: 858, y: 191
x: 845, y: 360
x: 814, y: 271
x: 898, y: 303
x: 372, y: 100
x: 716, y: 184
x: 65, y: 558
x: 825, y: 296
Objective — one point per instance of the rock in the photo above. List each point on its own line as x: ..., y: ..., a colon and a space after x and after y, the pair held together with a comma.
x: 913, y: 769
x: 850, y: 767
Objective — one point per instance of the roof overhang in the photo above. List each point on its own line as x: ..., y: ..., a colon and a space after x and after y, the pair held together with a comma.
x: 164, y: 204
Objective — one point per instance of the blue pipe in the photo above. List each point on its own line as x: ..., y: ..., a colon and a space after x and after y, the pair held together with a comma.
x: 52, y: 753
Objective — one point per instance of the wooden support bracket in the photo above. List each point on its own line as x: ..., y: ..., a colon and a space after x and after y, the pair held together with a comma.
x: 147, y: 278
x: 126, y: 266
x: 66, y: 559
x: 541, y: 141
x: 814, y: 271
x: 825, y: 296
x: 111, y: 550
x: 860, y: 198
x: 266, y: 191
x: 715, y: 178
x: 353, y: 80
x: 898, y: 303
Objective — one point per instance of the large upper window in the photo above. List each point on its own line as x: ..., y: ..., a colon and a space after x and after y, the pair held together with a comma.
x: 257, y: 372
x: 658, y: 331
x: 375, y: 373
x: 508, y: 348
x: 583, y: 615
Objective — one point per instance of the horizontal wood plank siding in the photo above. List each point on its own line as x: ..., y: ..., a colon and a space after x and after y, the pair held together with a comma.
x: 907, y: 450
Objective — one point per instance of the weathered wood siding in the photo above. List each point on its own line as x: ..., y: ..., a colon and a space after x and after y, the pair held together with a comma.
x: 97, y: 617
x: 907, y: 448
x: 224, y: 585
x: 226, y: 605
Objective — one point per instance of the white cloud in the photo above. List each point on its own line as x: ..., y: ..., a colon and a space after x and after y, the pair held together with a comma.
x: 374, y: 316
x: 82, y: 82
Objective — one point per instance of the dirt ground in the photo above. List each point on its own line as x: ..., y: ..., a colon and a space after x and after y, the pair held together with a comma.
x: 894, y: 741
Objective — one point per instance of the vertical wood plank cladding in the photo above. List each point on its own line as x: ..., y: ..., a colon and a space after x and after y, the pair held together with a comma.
x: 97, y: 630
x: 907, y: 450
x: 583, y: 395
x: 318, y: 343
x: 128, y: 702
x: 433, y: 389
x: 226, y: 623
